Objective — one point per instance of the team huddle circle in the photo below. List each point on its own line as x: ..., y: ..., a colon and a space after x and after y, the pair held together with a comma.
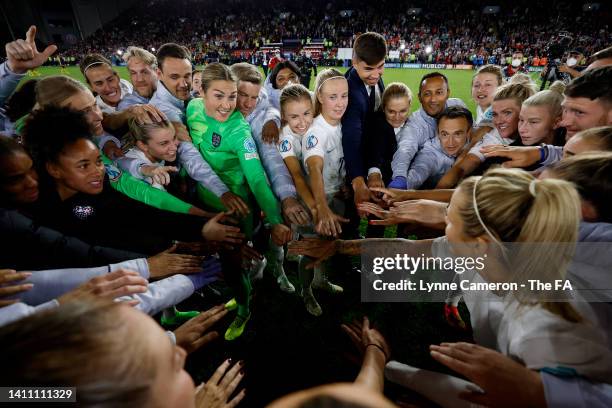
x: 294, y: 211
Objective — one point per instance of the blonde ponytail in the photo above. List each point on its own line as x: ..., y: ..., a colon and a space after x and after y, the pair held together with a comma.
x: 558, y: 87
x: 523, y: 79
x: 551, y: 98
x: 510, y: 205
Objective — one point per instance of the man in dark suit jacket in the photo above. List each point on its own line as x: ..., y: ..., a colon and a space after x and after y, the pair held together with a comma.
x: 365, y: 94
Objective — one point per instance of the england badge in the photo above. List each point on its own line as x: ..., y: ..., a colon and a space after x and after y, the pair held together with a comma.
x: 216, y: 139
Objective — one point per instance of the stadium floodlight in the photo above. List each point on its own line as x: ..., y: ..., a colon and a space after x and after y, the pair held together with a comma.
x: 428, y: 49
x: 591, y: 6
x: 491, y: 10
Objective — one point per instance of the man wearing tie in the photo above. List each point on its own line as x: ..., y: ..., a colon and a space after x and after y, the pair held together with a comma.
x: 365, y: 91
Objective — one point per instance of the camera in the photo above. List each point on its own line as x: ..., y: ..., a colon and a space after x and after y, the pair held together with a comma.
x: 556, y: 49
x: 555, y: 52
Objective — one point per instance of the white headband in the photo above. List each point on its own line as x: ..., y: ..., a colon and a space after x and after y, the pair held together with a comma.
x: 92, y: 64
x: 475, y: 204
x: 328, y: 79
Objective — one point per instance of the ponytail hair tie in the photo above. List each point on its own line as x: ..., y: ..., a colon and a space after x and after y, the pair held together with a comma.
x: 532, y: 187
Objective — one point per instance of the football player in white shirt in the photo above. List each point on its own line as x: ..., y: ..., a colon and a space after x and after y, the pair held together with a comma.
x: 297, y: 113
x: 323, y: 160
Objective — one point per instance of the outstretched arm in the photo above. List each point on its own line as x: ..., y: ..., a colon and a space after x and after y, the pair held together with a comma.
x: 392, y: 196
x: 460, y: 170
x: 321, y: 249
x: 428, y: 213
x: 273, y: 164
x: 142, y: 113
x: 199, y: 169
x: 375, y: 351
x: 143, y: 192
x: 490, y: 369
x: 295, y: 169
x: 328, y: 222
x: 254, y: 172
x: 524, y: 156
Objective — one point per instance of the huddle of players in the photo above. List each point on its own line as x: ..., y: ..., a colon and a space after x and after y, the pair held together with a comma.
x: 344, y: 142
x: 304, y: 158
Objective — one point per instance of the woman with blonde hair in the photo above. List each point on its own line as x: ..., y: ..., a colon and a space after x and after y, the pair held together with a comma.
x: 528, y: 229
x: 155, y: 150
x: 297, y: 114
x: 323, y: 160
x: 523, y: 79
x: 506, y: 107
x: 158, y: 154
x: 540, y: 117
x: 383, y: 131
x: 114, y: 355
x: 590, y: 140
x: 521, y: 229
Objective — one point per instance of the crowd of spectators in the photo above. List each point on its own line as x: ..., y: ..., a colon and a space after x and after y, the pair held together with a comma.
x: 457, y: 33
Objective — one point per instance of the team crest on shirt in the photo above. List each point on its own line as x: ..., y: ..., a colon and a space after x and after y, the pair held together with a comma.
x: 250, y: 149
x: 82, y: 212
x: 284, y: 146
x: 311, y: 142
x: 216, y: 139
x: 249, y: 145
x: 113, y: 172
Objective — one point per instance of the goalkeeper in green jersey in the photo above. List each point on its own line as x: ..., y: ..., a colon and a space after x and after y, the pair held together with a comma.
x: 224, y: 139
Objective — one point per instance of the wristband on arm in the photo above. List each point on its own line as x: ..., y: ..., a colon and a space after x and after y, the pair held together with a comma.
x: 543, y: 154
x: 380, y: 348
x: 399, y: 183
